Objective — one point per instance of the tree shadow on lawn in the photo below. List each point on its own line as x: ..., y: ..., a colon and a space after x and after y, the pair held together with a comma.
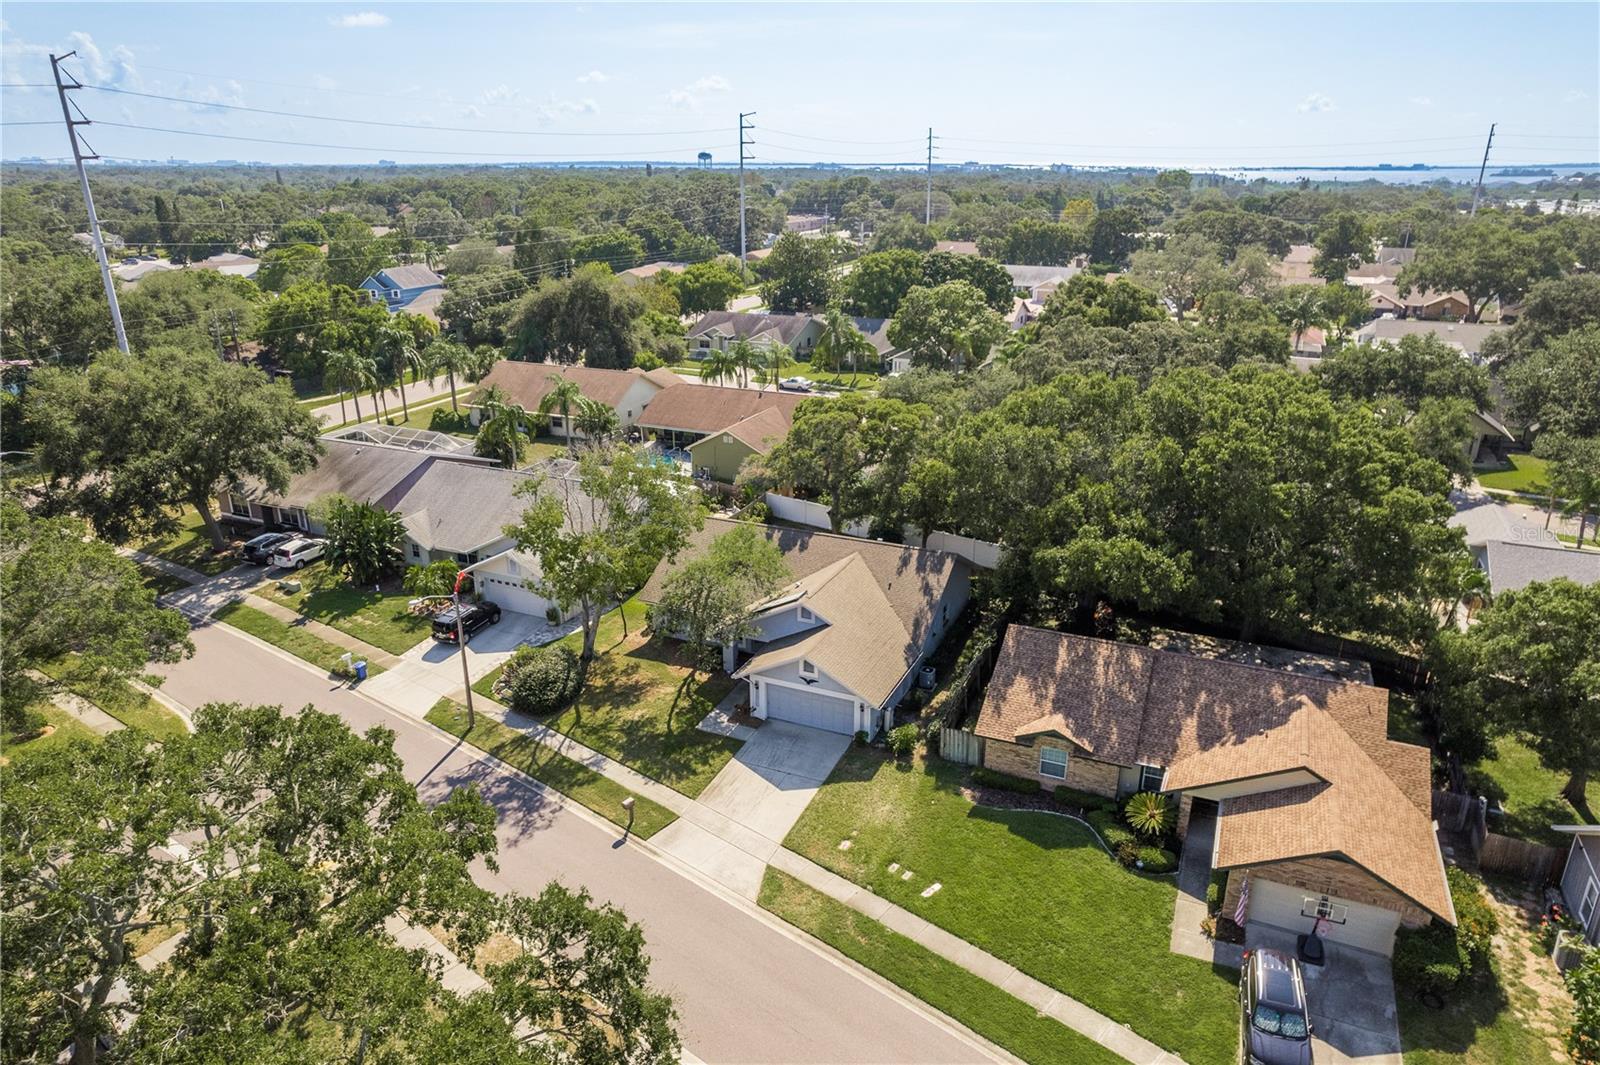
x: 611, y: 715
x: 1452, y: 1029
x: 1048, y: 830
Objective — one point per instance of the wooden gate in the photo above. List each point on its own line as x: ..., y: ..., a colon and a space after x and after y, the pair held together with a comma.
x: 960, y: 746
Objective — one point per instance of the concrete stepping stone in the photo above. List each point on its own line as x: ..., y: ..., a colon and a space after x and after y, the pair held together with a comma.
x: 928, y: 891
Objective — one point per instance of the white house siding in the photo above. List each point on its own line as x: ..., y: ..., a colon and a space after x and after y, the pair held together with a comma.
x: 1583, y: 870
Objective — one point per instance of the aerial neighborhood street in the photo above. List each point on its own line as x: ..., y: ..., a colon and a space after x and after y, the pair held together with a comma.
x: 544, y: 562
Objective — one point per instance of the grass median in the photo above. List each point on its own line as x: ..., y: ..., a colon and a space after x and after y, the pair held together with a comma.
x: 1003, y: 1019
x: 573, y: 779
x: 297, y: 641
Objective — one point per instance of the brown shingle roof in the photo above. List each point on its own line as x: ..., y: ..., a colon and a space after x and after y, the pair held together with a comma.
x: 527, y: 382
x: 1209, y: 721
x: 759, y: 432
x: 878, y: 599
x: 712, y: 408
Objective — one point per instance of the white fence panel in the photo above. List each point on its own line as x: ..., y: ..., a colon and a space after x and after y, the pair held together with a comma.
x: 978, y: 552
x: 805, y: 512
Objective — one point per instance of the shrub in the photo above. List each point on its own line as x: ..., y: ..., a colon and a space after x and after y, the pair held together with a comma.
x: 1149, y: 814
x: 1127, y: 852
x: 1157, y: 860
x: 1476, y: 923
x: 1429, y: 959
x: 1086, y: 800
x: 552, y: 614
x: 990, y: 778
x: 903, y: 740
x: 539, y: 680
x: 1213, y: 897
x: 1112, y: 832
x: 1583, y: 1038
x: 861, y: 737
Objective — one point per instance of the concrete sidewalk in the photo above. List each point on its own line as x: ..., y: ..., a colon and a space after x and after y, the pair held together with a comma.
x: 357, y: 647
x: 728, y: 852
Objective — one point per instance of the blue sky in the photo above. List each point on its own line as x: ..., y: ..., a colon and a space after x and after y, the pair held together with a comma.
x: 1256, y: 84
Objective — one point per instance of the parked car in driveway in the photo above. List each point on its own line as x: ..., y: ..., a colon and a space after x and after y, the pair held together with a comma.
x: 474, y: 616
x: 297, y: 551
x: 1275, y: 1029
x: 795, y: 384
x: 259, y: 550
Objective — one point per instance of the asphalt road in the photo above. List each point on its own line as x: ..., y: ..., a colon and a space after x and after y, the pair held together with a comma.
x: 747, y: 989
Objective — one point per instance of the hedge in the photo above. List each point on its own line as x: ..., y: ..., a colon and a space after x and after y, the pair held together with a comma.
x: 991, y: 778
x: 1437, y: 957
x: 1087, y: 800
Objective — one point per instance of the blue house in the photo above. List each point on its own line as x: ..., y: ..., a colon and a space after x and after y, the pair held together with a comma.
x: 398, y: 286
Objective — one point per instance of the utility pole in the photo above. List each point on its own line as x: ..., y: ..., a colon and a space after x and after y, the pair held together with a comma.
x: 1477, y: 193
x: 743, y: 144
x: 88, y: 200
x: 927, y: 218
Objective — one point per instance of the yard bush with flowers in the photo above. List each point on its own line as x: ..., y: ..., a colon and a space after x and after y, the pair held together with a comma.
x: 1583, y: 1038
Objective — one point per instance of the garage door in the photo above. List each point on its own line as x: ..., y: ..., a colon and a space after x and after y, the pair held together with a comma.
x: 1354, y: 924
x: 813, y: 708
x: 511, y: 594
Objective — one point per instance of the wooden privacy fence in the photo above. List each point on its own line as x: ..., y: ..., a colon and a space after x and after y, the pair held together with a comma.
x: 1533, y: 862
x: 960, y: 746
x: 1464, y: 814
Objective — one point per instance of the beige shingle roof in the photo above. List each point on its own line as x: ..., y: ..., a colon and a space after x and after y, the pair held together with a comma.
x: 759, y: 432
x: 1209, y: 721
x: 712, y: 408
x: 527, y: 382
x: 879, y: 601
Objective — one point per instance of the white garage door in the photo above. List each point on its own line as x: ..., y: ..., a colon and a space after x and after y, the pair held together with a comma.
x: 813, y: 708
x: 511, y: 594
x: 1354, y: 924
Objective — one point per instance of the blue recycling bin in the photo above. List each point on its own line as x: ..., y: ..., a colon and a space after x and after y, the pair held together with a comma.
x: 361, y: 672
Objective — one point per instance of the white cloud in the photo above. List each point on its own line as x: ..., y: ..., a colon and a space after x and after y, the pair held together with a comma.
x: 1422, y: 101
x: 554, y: 109
x: 1576, y: 96
x: 594, y: 77
x: 1317, y: 102
x: 503, y: 95
x: 361, y: 20
x: 114, y: 69
x: 693, y: 94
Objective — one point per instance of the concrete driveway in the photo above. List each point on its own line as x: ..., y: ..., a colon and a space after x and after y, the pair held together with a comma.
x: 1350, y: 1000
x: 432, y: 670
x: 764, y: 789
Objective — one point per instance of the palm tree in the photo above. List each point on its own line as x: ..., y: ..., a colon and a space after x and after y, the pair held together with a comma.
x: 484, y: 356
x: 400, y: 348
x: 746, y: 358
x: 1303, y: 311
x: 597, y: 421
x: 449, y: 358
x: 719, y: 366
x: 841, y: 340
x: 357, y: 373
x: 771, y: 363
x: 342, y: 370
x: 500, y: 427
x: 564, y: 394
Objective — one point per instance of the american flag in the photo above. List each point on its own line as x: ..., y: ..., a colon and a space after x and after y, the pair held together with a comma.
x: 1244, y: 902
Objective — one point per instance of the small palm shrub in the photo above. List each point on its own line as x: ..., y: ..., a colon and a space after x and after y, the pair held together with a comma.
x: 1149, y: 814
x: 539, y: 680
x: 903, y: 740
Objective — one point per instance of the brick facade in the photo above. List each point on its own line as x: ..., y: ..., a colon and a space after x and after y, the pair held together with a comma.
x: 1022, y: 760
x: 1329, y: 876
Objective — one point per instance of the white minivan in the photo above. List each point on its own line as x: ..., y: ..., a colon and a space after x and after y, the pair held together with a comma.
x: 297, y: 552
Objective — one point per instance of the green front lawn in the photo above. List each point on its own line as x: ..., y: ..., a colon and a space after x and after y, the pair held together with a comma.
x: 378, y: 618
x: 1528, y: 473
x: 160, y: 581
x: 304, y: 645
x: 189, y: 546
x: 1530, y: 795
x: 572, y: 779
x: 124, y: 702
x: 1034, y: 889
x: 66, y: 728
x: 1001, y: 1018
x: 637, y: 707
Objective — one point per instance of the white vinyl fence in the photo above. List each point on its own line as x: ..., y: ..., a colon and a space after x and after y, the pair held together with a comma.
x: 805, y: 512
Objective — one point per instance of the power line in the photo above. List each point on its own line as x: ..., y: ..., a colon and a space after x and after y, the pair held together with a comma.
x: 401, y: 125
x: 374, y: 149
x: 839, y: 140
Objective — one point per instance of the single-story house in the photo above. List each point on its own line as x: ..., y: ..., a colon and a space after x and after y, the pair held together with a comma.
x: 1327, y: 819
x: 1037, y: 282
x: 1511, y: 565
x: 1295, y: 267
x: 648, y: 270
x: 228, y: 263
x: 398, y: 286
x: 1580, y: 882
x: 956, y: 247
x: 717, y: 331
x: 804, y: 223
x: 718, y: 456
x: 1385, y: 298
x: 451, y: 506
x: 890, y: 358
x: 1024, y: 311
x: 1311, y: 341
x: 1490, y: 437
x: 680, y: 417
x: 1467, y: 337
x: 840, y: 646
x: 627, y: 392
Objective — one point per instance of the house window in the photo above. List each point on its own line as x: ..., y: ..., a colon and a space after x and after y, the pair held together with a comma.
x: 727, y: 438
x: 1053, y: 763
x: 808, y: 668
x: 806, y: 614
x: 1591, y: 895
x: 394, y: 293
x: 298, y: 517
x: 416, y: 552
x: 238, y: 506
x: 1150, y: 777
